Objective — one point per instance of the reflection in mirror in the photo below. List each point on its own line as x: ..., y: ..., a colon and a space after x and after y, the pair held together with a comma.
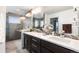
x: 38, y: 22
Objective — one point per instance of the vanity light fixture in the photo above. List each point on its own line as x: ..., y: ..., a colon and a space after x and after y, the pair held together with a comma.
x: 22, y: 18
x: 28, y: 14
x: 33, y: 11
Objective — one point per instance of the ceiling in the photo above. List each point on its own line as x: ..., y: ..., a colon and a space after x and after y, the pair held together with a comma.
x: 54, y: 9
x: 22, y: 10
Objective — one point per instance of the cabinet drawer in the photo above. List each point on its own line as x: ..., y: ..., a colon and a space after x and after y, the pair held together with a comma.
x: 35, y: 48
x: 36, y: 43
x: 36, y: 40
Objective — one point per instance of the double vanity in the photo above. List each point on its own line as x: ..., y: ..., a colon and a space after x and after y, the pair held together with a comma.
x: 36, y: 42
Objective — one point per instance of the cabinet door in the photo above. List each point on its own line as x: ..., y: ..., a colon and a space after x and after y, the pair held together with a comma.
x: 35, y: 48
x: 45, y: 50
x: 55, y: 48
x: 27, y: 42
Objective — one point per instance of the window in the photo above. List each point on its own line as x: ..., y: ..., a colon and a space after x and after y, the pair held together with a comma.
x: 14, y: 19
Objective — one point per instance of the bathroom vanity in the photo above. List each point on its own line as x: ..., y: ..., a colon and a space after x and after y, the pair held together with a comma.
x: 36, y: 42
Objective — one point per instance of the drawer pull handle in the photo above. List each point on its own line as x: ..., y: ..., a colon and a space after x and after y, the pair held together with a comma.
x: 34, y: 40
x: 34, y: 45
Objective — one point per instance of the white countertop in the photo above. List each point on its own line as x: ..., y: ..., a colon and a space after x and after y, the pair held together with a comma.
x: 61, y: 41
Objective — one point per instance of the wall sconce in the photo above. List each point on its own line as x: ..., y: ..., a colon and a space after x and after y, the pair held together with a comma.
x: 28, y: 14
x: 34, y: 11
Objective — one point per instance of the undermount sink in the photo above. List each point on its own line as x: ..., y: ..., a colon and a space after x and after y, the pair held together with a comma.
x: 61, y: 39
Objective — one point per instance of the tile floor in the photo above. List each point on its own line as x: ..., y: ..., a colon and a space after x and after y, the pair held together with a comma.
x: 15, y: 47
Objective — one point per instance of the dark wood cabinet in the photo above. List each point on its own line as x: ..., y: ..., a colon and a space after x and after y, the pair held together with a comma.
x: 35, y: 48
x: 45, y: 50
x: 24, y: 42
x: 55, y: 48
x: 27, y: 42
x: 37, y: 45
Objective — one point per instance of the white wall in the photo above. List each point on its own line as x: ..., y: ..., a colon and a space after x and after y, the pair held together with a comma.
x: 2, y: 28
x: 47, y: 20
x: 64, y: 17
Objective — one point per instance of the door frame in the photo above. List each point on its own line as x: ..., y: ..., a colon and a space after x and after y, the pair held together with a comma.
x: 56, y: 28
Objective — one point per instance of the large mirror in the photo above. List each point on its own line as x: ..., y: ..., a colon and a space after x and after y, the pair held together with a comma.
x: 38, y: 22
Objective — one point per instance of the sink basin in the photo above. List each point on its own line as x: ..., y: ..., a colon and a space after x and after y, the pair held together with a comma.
x: 65, y: 40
